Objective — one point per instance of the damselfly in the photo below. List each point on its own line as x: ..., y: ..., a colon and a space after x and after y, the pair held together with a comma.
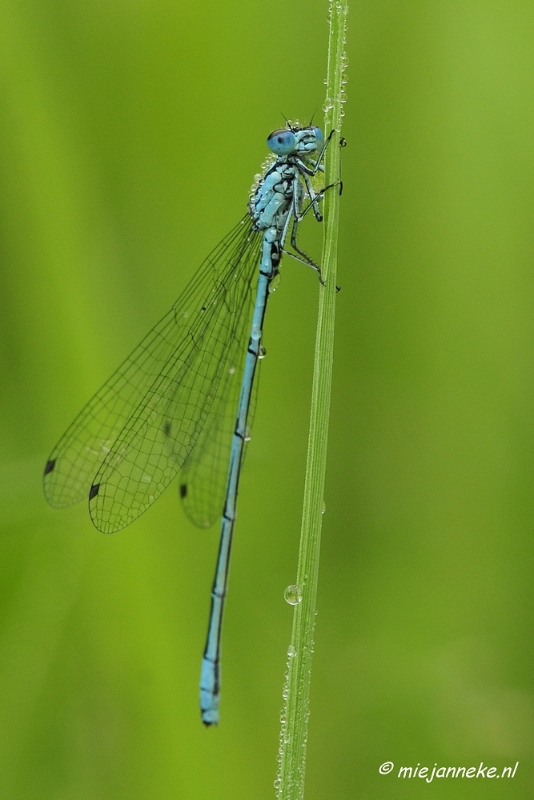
x: 171, y: 406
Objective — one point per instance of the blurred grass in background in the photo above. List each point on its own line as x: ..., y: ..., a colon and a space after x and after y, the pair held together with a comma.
x: 129, y: 136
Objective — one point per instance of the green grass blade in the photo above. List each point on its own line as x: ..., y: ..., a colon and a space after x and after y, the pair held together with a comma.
x: 289, y: 782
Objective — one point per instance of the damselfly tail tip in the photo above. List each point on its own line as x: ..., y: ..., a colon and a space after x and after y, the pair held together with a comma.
x: 210, y: 717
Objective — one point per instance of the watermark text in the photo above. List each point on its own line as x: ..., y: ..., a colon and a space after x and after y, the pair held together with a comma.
x: 429, y: 773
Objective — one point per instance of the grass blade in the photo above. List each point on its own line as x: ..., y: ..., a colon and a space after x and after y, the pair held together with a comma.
x: 289, y: 782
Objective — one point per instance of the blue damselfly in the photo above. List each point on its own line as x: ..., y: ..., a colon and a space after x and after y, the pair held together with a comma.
x: 171, y: 406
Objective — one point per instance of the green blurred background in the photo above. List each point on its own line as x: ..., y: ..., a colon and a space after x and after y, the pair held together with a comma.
x: 129, y: 136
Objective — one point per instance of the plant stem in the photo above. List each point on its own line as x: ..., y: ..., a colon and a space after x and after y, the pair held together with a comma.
x: 289, y: 783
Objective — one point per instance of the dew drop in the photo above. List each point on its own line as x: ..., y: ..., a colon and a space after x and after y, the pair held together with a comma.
x: 291, y: 651
x: 293, y: 595
x: 262, y: 353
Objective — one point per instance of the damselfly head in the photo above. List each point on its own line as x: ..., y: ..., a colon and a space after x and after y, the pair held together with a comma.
x: 295, y: 139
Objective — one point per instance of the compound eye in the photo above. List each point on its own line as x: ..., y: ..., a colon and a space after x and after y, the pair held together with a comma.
x: 317, y: 132
x: 281, y: 142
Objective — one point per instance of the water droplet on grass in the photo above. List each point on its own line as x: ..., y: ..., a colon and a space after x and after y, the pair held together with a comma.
x: 293, y: 595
